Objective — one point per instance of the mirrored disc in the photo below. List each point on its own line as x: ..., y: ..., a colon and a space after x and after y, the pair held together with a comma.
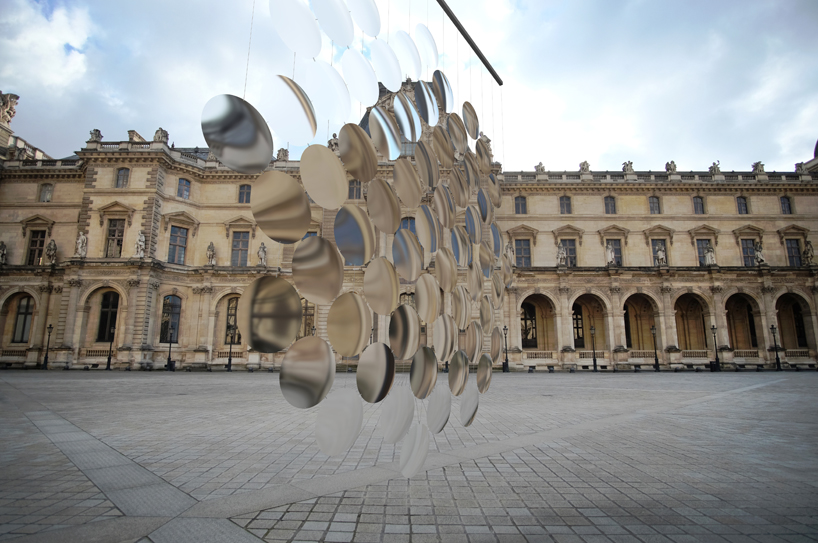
x: 407, y: 54
x: 396, y: 414
x: 494, y: 190
x: 474, y: 279
x: 339, y: 422
x: 485, y: 207
x: 406, y: 255
x: 384, y: 132
x: 427, y: 227
x: 483, y: 157
x: 360, y: 77
x: 366, y: 15
x: 461, y: 246
x: 423, y: 373
x: 404, y: 332
x: 439, y: 409
x: 442, y: 145
x: 292, y: 116
x: 333, y: 16
x: 497, y: 290
x: 349, y: 324
x: 458, y: 187
x: 375, y: 373
x: 468, y: 406
x: 357, y: 152
x: 269, y: 314
x: 426, y: 46
x: 458, y: 373
x: 483, y: 373
x: 445, y: 337
x: 486, y: 259
x: 461, y: 307
x: 470, y: 120
x: 496, y: 241
x: 474, y: 226
x: 307, y: 372
x: 508, y: 274
x: 318, y: 270
x: 382, y: 205
x: 327, y: 90
x: 407, y: 117
x: 296, y: 26
x: 324, y: 177
x: 281, y: 207
x: 413, y: 451
x: 428, y: 168
x: 237, y: 134
x: 457, y: 131
x: 427, y: 105
x: 443, y: 91
x: 446, y: 269
x: 386, y: 64
x: 381, y: 286
x: 474, y: 341
x: 427, y: 298
x: 407, y: 183
x: 354, y: 235
x: 486, y: 314
x: 444, y: 206
x: 496, y: 345
x: 472, y: 170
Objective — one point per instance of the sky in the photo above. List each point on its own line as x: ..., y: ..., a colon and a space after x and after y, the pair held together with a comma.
x: 605, y: 81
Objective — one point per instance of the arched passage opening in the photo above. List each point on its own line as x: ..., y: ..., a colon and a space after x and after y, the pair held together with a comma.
x: 690, y: 323
x: 641, y: 313
x: 795, y: 333
x: 538, y: 327
x: 101, y: 317
x: 589, y: 311
x: 16, y: 324
x: 743, y: 323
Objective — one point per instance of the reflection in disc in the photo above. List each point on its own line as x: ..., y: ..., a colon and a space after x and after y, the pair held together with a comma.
x: 427, y: 298
x: 446, y: 269
x: 439, y: 409
x: 381, y: 286
x: 461, y: 307
x: 383, y: 206
x: 427, y: 227
x: 292, y: 116
x: 396, y: 414
x: 296, y: 26
x: 470, y: 120
x: 496, y: 241
x: 443, y: 91
x: 444, y: 206
x: 423, y: 373
x: 365, y: 13
x: 281, y: 207
x: 384, y: 132
x: 474, y: 342
x: 445, y: 337
x: 496, y: 345
x: 413, y: 451
x: 318, y: 270
x: 360, y: 77
x: 237, y: 134
x: 474, y: 226
x: 354, y: 235
x: 483, y: 373
x: 406, y: 254
x: 407, y: 117
x: 461, y: 247
x: 269, y: 314
x: 427, y: 105
x: 457, y: 131
x: 468, y: 406
x: 508, y: 274
x: 426, y: 46
x: 485, y: 207
x: 407, y: 54
x: 324, y: 177
x: 474, y: 279
x: 458, y: 186
x: 386, y: 64
x: 307, y: 372
x: 427, y: 165
x: 407, y: 183
x: 472, y: 170
x: 458, y: 373
x: 486, y: 259
x: 442, y: 145
x: 333, y: 16
x: 339, y: 422
x: 494, y: 190
x: 349, y: 324
x: 404, y: 332
x: 327, y: 91
x: 497, y: 290
x: 483, y: 157
x: 375, y: 373
x: 486, y: 314
x: 357, y: 152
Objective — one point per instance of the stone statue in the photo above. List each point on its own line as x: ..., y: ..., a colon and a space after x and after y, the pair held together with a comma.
x: 758, y: 167
x: 715, y: 168
x: 485, y: 139
x: 161, y: 135
x: 96, y: 135
x: 139, y: 247
x: 801, y: 169
x: 211, y: 254
x: 8, y: 103
x: 211, y: 157
x: 584, y: 167
x: 539, y: 168
x: 610, y: 254
x: 807, y: 256
x: 509, y: 250
x: 661, y: 256
x: 670, y: 167
x: 333, y: 143
x: 709, y: 254
x: 82, y: 245
x: 2, y: 253
x: 627, y: 167
x: 262, y: 255
x: 758, y: 249
x: 562, y: 256
x: 51, y: 252
x: 283, y: 155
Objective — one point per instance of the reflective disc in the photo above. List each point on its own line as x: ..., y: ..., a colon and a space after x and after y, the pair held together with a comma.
x: 324, y: 177
x: 423, y: 373
x: 333, y: 16
x: 427, y: 298
x: 281, y: 207
x: 439, y: 409
x: 457, y: 131
x: 443, y: 91
x: 404, y: 332
x: 472, y: 170
x: 483, y: 157
x: 442, y: 145
x: 496, y: 344
x: 508, y: 274
x: 468, y: 406
x: 458, y: 186
x: 497, y: 290
x: 269, y: 314
x: 407, y: 183
x: 427, y: 105
x: 339, y: 422
x: 445, y: 337
x: 461, y: 246
x: 296, y: 26
x: 383, y: 206
x: 427, y: 227
x: 470, y: 120
x: 349, y: 324
x: 407, y: 117
x: 396, y: 414
x: 413, y: 451
x: 427, y: 165
x: 354, y: 235
x: 474, y: 277
x: 318, y: 271
x: 426, y: 46
x: 458, y: 373
x: 486, y: 259
x: 407, y: 54
x: 494, y: 190
x: 360, y: 77
x: 406, y: 255
x: 461, y: 307
x: 474, y: 226
x: 496, y: 241
x: 446, y: 269
x: 386, y: 64
x: 384, y: 133
x: 483, y: 373
x: 357, y: 152
x: 327, y: 91
x: 486, y: 314
x: 366, y: 15
x: 474, y: 341
x: 376, y: 372
x: 381, y: 286
x: 307, y: 372
x: 291, y: 113
x: 444, y: 206
x: 485, y: 207
x: 237, y: 134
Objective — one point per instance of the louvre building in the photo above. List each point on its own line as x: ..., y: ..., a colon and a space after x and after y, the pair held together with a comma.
x: 610, y: 265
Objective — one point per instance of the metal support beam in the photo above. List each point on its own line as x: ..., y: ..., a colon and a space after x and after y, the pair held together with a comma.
x: 473, y: 45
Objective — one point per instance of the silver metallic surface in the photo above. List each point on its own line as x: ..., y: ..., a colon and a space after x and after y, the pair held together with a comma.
x: 407, y: 117
x: 497, y: 290
x: 307, y: 372
x: 426, y: 46
x: 468, y: 406
x: 470, y: 120
x: 318, y: 270
x: 461, y: 307
x: 442, y: 144
x: 375, y: 373
x: 494, y: 189
x: 458, y: 373
x: 485, y: 206
x: 339, y: 422
x: 496, y: 345
x: 349, y: 324
x: 281, y: 207
x: 324, y: 177
x: 426, y: 102
x: 413, y: 451
x: 407, y: 183
x: 406, y: 255
x: 486, y: 258
x: 474, y: 279
x: 381, y: 286
x: 269, y: 314
x: 496, y: 241
x: 423, y: 373
x: 354, y: 235
x: 508, y: 273
x: 446, y: 269
x: 292, y: 115
x: 443, y: 91
x: 396, y: 414
x: 445, y: 337
x: 383, y: 206
x: 427, y: 298
x: 461, y: 246
x: 459, y: 187
x: 357, y: 152
x: 439, y: 409
x: 237, y: 134
x: 472, y: 170
x: 444, y: 206
x: 483, y: 156
x: 474, y: 342
x: 474, y: 226
x: 384, y: 132
x: 457, y: 131
x: 404, y: 332
x: 427, y: 227
x: 486, y: 314
x: 428, y: 168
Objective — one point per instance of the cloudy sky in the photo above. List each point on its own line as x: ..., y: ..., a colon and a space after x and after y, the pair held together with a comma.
x: 604, y: 81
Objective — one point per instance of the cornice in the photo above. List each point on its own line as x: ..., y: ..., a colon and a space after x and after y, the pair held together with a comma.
x: 663, y: 188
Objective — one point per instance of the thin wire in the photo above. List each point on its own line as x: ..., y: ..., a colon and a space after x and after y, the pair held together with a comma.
x: 502, y: 125
x: 250, y: 41
x: 293, y: 66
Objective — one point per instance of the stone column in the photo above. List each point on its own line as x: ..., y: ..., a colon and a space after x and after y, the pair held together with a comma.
x: 133, y: 291
x: 722, y: 334
x: 39, y: 333
x: 71, y: 316
x: 668, y: 319
x: 565, y: 315
x: 769, y: 317
x: 617, y: 334
x: 814, y: 321
x: 205, y: 299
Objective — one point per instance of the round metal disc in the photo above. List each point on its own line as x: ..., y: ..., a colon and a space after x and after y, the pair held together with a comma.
x: 360, y: 77
x: 444, y: 206
x: 333, y: 16
x: 281, y: 207
x: 496, y: 344
x: 339, y: 422
x: 327, y: 91
x: 461, y: 307
x: 237, y: 134
x: 413, y: 451
x: 407, y: 117
x: 404, y: 332
x: 381, y: 286
x: 357, y: 152
x: 474, y: 342
x: 474, y: 226
x: 307, y: 372
x: 443, y: 147
x: 439, y: 409
x: 446, y: 269
x: 427, y: 227
x: 407, y: 183
x: 406, y: 255
x: 349, y: 324
x: 508, y: 274
x: 354, y: 235
x: 426, y: 102
x: 474, y: 280
x: 470, y: 120
x: 376, y: 372
x: 472, y: 171
x: 495, y: 192
x: 407, y: 53
x: 383, y: 206
x: 496, y: 241
x: 445, y: 337
x: 324, y: 177
x: 457, y: 131
x: 396, y: 414
x: 296, y: 26
x: 386, y: 64
x: 423, y: 373
x: 468, y: 406
x: 318, y: 270
x: 486, y: 258
x: 461, y: 246
x: 428, y: 168
x: 497, y: 290
x: 427, y: 298
x: 365, y: 13
x: 483, y: 157
x: 458, y: 373
x: 384, y: 132
x: 269, y: 314
x: 459, y: 188
x: 443, y: 91
x: 426, y: 46
x: 485, y: 207
x: 291, y: 114
x: 486, y: 314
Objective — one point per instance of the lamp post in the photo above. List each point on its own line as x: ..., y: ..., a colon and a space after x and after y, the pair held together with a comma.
x: 593, y: 345
x: 232, y: 329
x: 717, y: 366
x: 505, y: 362
x: 110, y: 347
x: 775, y: 346
x: 313, y: 330
x: 47, y: 345
x: 655, y: 355
x: 170, y: 343
x: 371, y: 334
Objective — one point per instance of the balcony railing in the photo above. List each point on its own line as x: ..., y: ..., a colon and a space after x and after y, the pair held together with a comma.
x: 640, y: 354
x: 797, y: 353
x: 590, y: 354
x: 745, y: 353
x: 538, y: 355
x: 18, y: 353
x: 98, y: 353
x: 236, y: 354
x: 696, y: 354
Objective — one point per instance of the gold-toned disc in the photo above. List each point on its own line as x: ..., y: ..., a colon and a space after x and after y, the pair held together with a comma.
x: 442, y: 144
x: 269, y: 314
x: 427, y: 104
x: 237, y: 134
x: 357, y: 152
x: 496, y: 344
x: 470, y: 120
x: 474, y: 341
x: 446, y: 269
x: 508, y: 273
x: 444, y: 206
x: 461, y: 246
x: 407, y: 183
x: 457, y: 132
x: 427, y: 165
x: 486, y: 314
x: 381, y: 286
x: 427, y: 298
x: 483, y: 373
x: 349, y: 324
x: 383, y: 206
x: 324, y: 177
x: 458, y: 373
x: 486, y: 259
x: 495, y: 192
x: 427, y: 227
x: 497, y: 290
x: 354, y: 235
x: 318, y: 270
x: 485, y: 207
x: 461, y: 307
x: 384, y: 132
x: 474, y: 226
x: 375, y: 373
x: 445, y: 337
x: 458, y: 187
x: 406, y: 255
x: 404, y: 332
x: 474, y: 280
x: 423, y: 373
x: 472, y: 171
x: 307, y: 372
x: 407, y: 117
x: 483, y: 156
x: 281, y: 207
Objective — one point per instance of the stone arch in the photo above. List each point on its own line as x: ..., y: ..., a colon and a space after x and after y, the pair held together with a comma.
x: 538, y: 323
x: 753, y: 294
x: 7, y: 319
x: 589, y: 309
x: 743, y: 313
x: 794, y: 318
x: 705, y: 299
x: 87, y: 293
x: 20, y: 290
x: 805, y: 298
x: 657, y: 302
x: 555, y: 302
x: 641, y: 313
x: 180, y: 335
x: 693, y: 314
x: 607, y: 306
x: 217, y: 297
x: 219, y: 312
x: 86, y: 336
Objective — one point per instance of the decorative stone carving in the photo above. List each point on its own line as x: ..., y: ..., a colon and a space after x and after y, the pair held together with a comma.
x: 716, y: 289
x: 584, y: 167
x: 539, y: 168
x: 211, y: 254
x: 715, y: 168
x: 211, y: 157
x: 3, y: 253
x: 154, y: 284
x: 207, y: 289
x: 661, y: 256
x: 51, y: 252
x: 82, y: 245
x: 610, y: 254
x: 665, y: 289
x: 562, y: 256
x: 332, y: 144
x: 96, y: 136
x: 283, y: 155
x: 45, y: 288
x: 670, y: 167
x: 615, y: 290
x: 58, y: 289
x: 75, y: 283
x: 262, y: 255
x: 485, y: 139
x: 132, y: 283
x: 161, y: 135
x: 564, y: 290
x: 806, y: 257
x: 139, y: 246
x: 8, y: 104
x: 768, y: 289
x: 814, y: 289
x: 627, y: 167
x: 759, y: 254
x: 801, y: 169
x: 758, y: 167
x: 709, y: 255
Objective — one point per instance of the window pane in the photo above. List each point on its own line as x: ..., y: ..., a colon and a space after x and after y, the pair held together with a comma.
x: 786, y: 208
x: 565, y: 205
x: 36, y: 244
x: 522, y: 253
x: 658, y: 245
x: 241, y: 244
x: 232, y: 310
x: 107, y: 316
x: 701, y: 245
x: 408, y: 222
x: 698, y: 205
x: 579, y: 336
x: 610, y: 205
x: 177, y: 246
x: 741, y: 202
x: 748, y: 252
x: 122, y: 178
x: 654, y: 205
x: 183, y: 191
x: 570, y: 246
x: 244, y: 194
x: 520, y: 205
x: 794, y: 252
x: 46, y: 191
x: 22, y: 322
x: 528, y: 326
x: 354, y: 189
x: 171, y: 310
x: 617, y: 249
x: 116, y: 233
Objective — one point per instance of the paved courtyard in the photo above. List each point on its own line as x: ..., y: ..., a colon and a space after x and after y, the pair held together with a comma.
x: 201, y: 457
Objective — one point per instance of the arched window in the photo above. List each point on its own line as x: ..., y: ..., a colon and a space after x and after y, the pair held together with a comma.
x: 122, y: 176
x: 528, y: 325
x: 22, y: 324
x: 46, y: 191
x: 232, y: 310
x: 354, y: 189
x: 171, y: 310
x: 107, y: 316
x: 183, y: 190
x: 244, y: 194
x: 307, y: 318
x: 409, y: 223
x: 579, y: 336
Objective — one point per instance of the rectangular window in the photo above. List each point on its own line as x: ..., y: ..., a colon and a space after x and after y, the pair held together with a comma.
x: 183, y: 191
x: 701, y: 245
x: 520, y: 207
x: 178, y: 244
x: 610, y: 205
x: 748, y: 252
x: 698, y: 205
x: 46, y: 191
x: 741, y: 203
x: 241, y: 245
x: 565, y: 205
x: 659, y: 252
x: 122, y: 178
x: 244, y: 194
x: 22, y: 324
x: 786, y: 205
x: 617, y: 249
x: 570, y: 246
x: 522, y: 252
x: 116, y: 233
x: 354, y: 189
x: 794, y: 252
x: 653, y: 201
x: 36, y: 245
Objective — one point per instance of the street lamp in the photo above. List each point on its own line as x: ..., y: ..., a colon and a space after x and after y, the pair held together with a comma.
x: 170, y: 343
x: 717, y: 366
x: 313, y: 330
x: 110, y: 346
x: 505, y: 362
x: 593, y: 345
x: 371, y: 334
x: 655, y: 355
x: 47, y: 345
x: 775, y: 344
x: 232, y: 329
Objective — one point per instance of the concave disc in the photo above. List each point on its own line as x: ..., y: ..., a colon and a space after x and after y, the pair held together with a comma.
x: 292, y: 116
x: 474, y: 341
x: 439, y: 409
x: 497, y: 290
x: 318, y: 270
x: 427, y: 105
x: 468, y: 406
x: 486, y: 314
x: 485, y: 207
x: 426, y: 46
x: 494, y: 190
x: 381, y: 286
x: 296, y: 26
x: 404, y: 332
x: 413, y: 451
x: 384, y: 132
x: 333, y: 16
x: 349, y: 324
x: 307, y: 372
x: 427, y: 298
x: 458, y: 373
x: 423, y: 373
x: 280, y: 207
x: 508, y: 274
x: 407, y: 54
x: 444, y: 206
x: 406, y: 254
x: 407, y: 183
x: 237, y: 134
x: 474, y: 226
x: 324, y: 177
x: 474, y: 279
x: 470, y: 121
x: 472, y: 170
x: 360, y: 77
x: 446, y: 269
x: 486, y: 258
x: 427, y: 227
x: 269, y: 314
x: 375, y: 373
x: 496, y: 241
x: 365, y: 13
x: 427, y: 165
x: 396, y: 414
x: 407, y: 117
x: 354, y: 235
x: 459, y: 188
x: 445, y: 337
x: 327, y: 91
x: 386, y: 64
x: 457, y: 131
x: 383, y: 206
x: 461, y: 307
x: 443, y: 147
x: 339, y: 422
x: 443, y: 91
x: 483, y: 156
x: 496, y: 345
x: 461, y: 246
x: 357, y: 152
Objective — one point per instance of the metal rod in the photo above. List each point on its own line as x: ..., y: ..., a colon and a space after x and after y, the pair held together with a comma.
x: 473, y: 45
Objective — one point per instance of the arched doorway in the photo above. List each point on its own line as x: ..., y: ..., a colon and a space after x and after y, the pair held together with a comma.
x: 795, y: 332
x: 641, y: 314
x: 17, y: 320
x: 691, y: 327
x: 743, y: 325
x: 588, y: 313
x: 101, y: 317
x: 538, y: 328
